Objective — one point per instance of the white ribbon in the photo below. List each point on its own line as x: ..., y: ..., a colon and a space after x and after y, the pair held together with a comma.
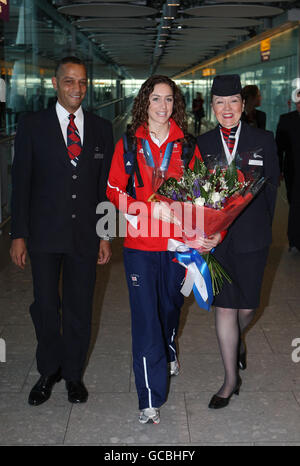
x: 132, y: 219
x: 193, y: 275
x: 178, y: 246
x: 230, y: 156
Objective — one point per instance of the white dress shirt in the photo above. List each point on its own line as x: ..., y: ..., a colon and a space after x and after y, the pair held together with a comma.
x: 157, y: 141
x: 63, y: 117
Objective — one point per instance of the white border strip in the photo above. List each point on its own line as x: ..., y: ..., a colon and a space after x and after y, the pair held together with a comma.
x: 146, y: 381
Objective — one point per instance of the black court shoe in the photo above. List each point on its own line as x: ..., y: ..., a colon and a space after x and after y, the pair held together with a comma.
x: 242, y: 362
x: 218, y: 402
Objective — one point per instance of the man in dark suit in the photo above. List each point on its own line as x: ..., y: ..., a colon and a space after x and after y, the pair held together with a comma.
x: 288, y: 143
x: 62, y: 159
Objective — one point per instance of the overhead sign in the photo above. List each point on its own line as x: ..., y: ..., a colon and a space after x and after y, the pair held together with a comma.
x: 265, y: 50
x: 208, y: 71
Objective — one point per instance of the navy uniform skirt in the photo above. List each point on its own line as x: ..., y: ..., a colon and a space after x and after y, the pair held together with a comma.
x: 246, y: 271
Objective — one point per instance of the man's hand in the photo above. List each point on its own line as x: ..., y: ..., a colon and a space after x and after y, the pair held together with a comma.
x: 104, y: 253
x: 18, y: 252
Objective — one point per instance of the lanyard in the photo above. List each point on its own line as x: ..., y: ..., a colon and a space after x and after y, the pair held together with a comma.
x: 149, y: 157
x: 230, y: 156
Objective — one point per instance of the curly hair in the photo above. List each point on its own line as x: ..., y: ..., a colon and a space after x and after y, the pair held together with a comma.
x: 141, y: 104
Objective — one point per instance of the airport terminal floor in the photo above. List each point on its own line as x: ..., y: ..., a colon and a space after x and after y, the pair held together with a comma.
x: 264, y: 50
x: 267, y: 411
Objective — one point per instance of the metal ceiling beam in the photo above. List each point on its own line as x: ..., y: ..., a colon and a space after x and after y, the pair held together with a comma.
x: 169, y: 13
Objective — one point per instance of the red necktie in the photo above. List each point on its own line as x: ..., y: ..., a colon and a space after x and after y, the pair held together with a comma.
x: 229, y: 136
x: 73, y: 141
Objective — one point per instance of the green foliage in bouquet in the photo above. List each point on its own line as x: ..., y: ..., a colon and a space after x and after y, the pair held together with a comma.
x: 217, y: 272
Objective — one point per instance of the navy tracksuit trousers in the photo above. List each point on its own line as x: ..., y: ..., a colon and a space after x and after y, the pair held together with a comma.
x: 154, y: 283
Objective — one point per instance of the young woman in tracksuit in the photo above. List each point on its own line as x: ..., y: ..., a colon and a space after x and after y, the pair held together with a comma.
x: 154, y: 280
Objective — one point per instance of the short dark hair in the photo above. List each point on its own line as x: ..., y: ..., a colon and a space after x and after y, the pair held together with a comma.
x: 70, y: 59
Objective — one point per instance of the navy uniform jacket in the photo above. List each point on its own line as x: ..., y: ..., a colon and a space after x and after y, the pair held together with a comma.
x: 53, y: 203
x: 252, y: 230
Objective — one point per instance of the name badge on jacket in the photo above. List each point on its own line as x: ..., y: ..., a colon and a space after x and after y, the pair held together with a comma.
x: 255, y: 162
x: 256, y: 157
x: 246, y: 161
x: 98, y: 154
x: 251, y: 163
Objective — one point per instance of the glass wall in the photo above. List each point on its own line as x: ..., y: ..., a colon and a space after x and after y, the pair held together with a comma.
x: 31, y: 43
x: 273, y: 77
x: 34, y: 39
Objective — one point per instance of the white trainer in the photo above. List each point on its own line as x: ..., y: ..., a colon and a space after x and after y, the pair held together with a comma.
x: 174, y: 367
x: 149, y: 415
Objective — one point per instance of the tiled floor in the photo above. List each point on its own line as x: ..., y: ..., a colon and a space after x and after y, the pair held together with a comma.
x: 267, y: 412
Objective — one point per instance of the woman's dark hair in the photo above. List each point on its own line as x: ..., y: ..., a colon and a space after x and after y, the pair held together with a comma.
x: 249, y: 95
x: 141, y: 104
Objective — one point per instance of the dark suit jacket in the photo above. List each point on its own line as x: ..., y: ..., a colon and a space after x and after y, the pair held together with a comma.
x: 53, y: 203
x: 288, y: 143
x: 252, y: 229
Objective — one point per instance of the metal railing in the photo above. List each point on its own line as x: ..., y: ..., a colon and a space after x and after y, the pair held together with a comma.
x: 114, y: 108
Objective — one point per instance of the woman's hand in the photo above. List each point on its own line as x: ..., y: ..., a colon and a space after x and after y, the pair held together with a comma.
x: 162, y: 211
x: 207, y: 244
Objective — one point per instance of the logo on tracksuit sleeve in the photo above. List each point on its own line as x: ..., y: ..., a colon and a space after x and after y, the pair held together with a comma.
x: 135, y: 279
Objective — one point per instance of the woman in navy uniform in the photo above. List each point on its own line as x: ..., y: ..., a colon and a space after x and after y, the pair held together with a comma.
x: 244, y: 251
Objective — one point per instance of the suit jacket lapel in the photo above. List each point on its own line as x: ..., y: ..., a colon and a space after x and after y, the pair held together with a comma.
x: 246, y: 141
x: 58, y: 139
x: 219, y: 146
x: 242, y: 139
x: 88, y: 131
x: 220, y: 149
x: 87, y: 139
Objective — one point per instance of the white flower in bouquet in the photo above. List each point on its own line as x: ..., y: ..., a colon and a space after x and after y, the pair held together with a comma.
x: 216, y: 197
x: 207, y: 186
x: 223, y: 183
x: 200, y: 201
